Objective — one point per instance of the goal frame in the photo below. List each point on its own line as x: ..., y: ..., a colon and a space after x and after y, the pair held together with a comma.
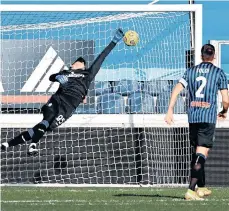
x: 148, y: 120
x: 197, y: 8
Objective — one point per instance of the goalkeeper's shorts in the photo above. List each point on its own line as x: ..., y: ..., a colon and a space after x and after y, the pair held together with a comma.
x: 56, y: 112
x: 202, y: 134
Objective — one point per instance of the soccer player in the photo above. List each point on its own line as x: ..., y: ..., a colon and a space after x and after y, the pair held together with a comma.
x: 203, y: 82
x: 73, y: 88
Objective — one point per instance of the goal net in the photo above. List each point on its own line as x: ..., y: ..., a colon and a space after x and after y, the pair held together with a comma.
x: 117, y: 136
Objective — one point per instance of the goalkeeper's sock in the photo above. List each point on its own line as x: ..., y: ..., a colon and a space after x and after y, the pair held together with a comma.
x: 38, y: 131
x: 197, y: 170
x: 20, y: 139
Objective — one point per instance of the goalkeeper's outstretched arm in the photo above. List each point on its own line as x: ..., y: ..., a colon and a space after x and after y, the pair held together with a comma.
x: 96, y: 65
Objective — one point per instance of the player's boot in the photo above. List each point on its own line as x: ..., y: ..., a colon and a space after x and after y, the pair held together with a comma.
x: 192, y: 195
x: 203, y: 192
x: 32, y: 150
x: 4, y: 146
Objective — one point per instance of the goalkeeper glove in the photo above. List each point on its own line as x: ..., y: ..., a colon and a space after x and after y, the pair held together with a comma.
x: 118, y: 35
x: 62, y: 79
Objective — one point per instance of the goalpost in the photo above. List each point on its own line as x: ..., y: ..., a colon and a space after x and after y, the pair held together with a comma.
x: 218, y: 45
x: 114, y: 147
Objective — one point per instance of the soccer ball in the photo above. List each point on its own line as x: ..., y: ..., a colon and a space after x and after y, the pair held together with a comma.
x: 131, y: 38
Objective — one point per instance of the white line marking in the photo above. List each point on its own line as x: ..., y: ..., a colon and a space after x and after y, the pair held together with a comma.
x: 41, y: 201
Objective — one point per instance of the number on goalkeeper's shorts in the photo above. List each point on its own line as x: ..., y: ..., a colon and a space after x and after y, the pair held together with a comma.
x: 59, y: 120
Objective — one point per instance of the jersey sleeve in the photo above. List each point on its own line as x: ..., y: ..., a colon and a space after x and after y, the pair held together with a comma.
x: 96, y: 65
x: 223, y: 84
x: 184, y: 79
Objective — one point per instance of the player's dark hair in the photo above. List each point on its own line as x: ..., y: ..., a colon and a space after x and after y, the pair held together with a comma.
x: 207, y: 52
x: 80, y: 59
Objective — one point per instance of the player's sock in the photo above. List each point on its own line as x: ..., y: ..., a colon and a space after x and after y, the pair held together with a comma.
x: 201, y: 182
x: 38, y: 131
x: 35, y: 134
x: 197, y: 170
x: 20, y: 139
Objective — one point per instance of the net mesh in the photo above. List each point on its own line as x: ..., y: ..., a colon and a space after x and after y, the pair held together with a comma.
x: 133, y: 80
x: 37, y: 48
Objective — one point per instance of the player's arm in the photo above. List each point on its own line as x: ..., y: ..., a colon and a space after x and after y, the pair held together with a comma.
x: 96, y: 65
x: 225, y: 102
x: 176, y: 91
x: 173, y: 99
x: 223, y: 86
x: 59, y: 77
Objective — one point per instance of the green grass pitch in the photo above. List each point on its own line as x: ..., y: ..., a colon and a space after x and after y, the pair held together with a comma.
x: 108, y: 199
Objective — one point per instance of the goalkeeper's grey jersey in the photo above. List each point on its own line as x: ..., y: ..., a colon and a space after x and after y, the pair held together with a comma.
x: 79, y: 80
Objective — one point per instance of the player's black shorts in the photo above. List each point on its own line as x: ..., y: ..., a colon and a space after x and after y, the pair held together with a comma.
x: 56, y: 112
x: 201, y: 134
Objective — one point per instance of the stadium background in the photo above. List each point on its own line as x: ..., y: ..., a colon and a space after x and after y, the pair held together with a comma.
x: 215, y: 17
x: 210, y: 32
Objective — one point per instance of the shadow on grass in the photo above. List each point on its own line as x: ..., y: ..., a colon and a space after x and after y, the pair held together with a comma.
x: 147, y: 195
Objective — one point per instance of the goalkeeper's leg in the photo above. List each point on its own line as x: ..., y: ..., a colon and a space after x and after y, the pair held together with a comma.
x: 55, y: 114
x: 35, y: 133
x: 49, y: 110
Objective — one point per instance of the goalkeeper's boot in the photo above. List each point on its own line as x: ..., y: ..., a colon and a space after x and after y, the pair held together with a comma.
x: 32, y: 151
x: 4, y: 146
x: 203, y: 192
x: 193, y: 196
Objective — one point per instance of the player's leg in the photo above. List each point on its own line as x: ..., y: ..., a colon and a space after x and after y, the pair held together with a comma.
x: 204, y: 137
x: 49, y: 110
x: 201, y: 182
x: 55, y: 114
x: 191, y: 194
x: 198, y: 166
x: 20, y: 139
x: 25, y: 136
x: 205, y: 142
x: 202, y: 190
x: 35, y: 133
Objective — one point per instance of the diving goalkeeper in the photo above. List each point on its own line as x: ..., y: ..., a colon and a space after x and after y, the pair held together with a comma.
x: 74, y: 85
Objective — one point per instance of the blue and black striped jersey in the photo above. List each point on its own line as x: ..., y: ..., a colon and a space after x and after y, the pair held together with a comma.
x: 203, y: 82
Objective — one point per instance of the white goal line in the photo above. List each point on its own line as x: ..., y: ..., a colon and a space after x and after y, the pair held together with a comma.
x: 54, y: 185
